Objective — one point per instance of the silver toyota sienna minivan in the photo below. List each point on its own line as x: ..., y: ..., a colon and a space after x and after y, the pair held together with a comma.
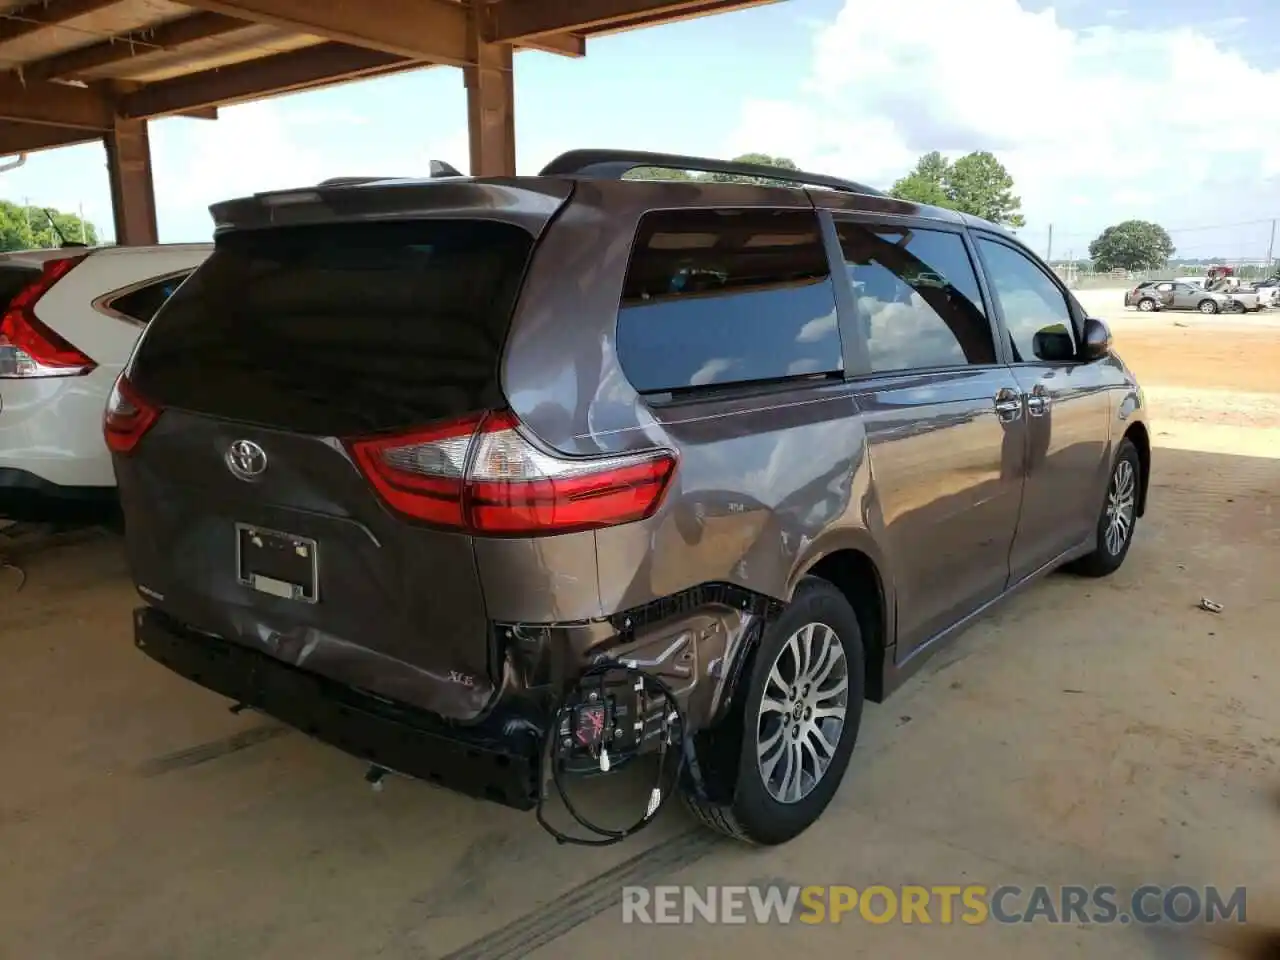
x: 493, y: 482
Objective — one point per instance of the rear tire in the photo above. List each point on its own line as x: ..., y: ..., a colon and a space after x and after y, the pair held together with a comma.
x: 1146, y: 305
x: 816, y: 639
x: 1119, y: 517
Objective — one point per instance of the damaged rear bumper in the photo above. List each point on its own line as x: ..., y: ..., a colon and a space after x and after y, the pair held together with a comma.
x: 495, y: 761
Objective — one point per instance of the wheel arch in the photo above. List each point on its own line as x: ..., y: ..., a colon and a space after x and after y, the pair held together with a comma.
x: 1138, y: 435
x: 857, y: 576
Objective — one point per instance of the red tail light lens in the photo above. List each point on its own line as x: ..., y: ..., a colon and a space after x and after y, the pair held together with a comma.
x: 28, y: 348
x: 481, y: 474
x: 421, y: 474
x: 128, y: 417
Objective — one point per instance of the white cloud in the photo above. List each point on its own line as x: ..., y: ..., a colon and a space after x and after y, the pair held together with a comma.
x: 1086, y: 121
x: 817, y: 329
x: 273, y: 145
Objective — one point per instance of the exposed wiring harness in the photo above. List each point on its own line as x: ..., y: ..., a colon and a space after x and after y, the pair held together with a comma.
x: 673, y: 733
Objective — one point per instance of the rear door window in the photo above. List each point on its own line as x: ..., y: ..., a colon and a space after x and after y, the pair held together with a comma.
x: 720, y: 297
x: 340, y: 329
x: 916, y: 297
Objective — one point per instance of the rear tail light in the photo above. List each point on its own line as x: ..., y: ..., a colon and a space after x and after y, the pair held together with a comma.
x: 480, y: 474
x: 128, y: 416
x: 28, y: 348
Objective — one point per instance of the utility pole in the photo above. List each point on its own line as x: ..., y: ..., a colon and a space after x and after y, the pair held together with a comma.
x: 1271, y: 245
x: 1048, y: 256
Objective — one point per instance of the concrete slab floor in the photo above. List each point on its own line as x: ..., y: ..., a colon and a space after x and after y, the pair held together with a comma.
x: 1088, y: 732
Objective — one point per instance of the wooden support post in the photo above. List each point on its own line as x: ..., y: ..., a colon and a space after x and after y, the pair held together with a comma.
x: 133, y: 196
x: 490, y: 101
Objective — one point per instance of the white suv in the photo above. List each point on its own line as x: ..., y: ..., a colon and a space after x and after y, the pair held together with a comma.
x: 68, y: 321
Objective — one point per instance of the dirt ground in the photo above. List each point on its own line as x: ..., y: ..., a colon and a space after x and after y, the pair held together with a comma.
x: 1088, y: 732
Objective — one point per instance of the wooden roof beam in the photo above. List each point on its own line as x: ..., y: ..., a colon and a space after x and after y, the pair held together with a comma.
x: 28, y: 138
x: 55, y: 104
x: 518, y: 21
x: 165, y: 36
x: 430, y: 30
x: 281, y: 73
x: 31, y: 17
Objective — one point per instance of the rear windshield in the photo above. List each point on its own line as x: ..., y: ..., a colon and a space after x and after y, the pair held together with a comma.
x: 339, y: 329
x: 12, y: 279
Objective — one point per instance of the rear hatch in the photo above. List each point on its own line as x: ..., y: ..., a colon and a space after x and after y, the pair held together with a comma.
x: 247, y: 511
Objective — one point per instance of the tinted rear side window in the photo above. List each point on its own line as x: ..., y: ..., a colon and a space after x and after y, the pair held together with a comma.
x: 339, y: 328
x: 722, y: 297
x: 141, y: 303
x: 916, y: 297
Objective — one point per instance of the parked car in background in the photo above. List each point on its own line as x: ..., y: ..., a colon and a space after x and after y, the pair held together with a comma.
x: 1268, y: 291
x: 1146, y: 297
x: 1175, y: 295
x: 69, y: 319
x: 490, y: 481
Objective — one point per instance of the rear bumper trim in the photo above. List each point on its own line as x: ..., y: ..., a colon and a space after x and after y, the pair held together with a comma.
x: 397, y: 737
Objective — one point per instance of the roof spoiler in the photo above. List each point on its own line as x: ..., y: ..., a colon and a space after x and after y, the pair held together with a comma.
x: 614, y: 164
x: 437, y: 168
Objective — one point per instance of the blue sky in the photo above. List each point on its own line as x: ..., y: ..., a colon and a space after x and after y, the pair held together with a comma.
x: 1101, y: 109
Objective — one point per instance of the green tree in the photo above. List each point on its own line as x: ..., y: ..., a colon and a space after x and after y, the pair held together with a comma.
x: 1131, y: 245
x: 927, y: 183
x: 27, y: 228
x: 664, y: 173
x: 656, y: 173
x: 757, y: 158
x: 977, y: 183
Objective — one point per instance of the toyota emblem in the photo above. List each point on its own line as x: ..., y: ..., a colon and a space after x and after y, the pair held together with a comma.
x: 246, y: 459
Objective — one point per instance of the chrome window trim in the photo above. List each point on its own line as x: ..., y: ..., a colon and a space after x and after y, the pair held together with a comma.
x: 103, y: 303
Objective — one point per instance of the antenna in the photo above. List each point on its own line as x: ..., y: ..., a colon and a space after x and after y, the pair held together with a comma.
x: 439, y: 169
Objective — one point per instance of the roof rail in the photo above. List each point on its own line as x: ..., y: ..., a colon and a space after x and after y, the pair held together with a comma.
x: 614, y: 164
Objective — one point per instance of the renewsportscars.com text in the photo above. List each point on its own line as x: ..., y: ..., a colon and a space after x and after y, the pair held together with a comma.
x: 943, y: 904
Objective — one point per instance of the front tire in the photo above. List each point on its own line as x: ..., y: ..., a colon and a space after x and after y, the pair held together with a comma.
x: 801, y: 712
x: 1207, y: 307
x: 1119, y: 515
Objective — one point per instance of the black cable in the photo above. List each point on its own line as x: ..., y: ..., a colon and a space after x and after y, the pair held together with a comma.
x: 672, y: 720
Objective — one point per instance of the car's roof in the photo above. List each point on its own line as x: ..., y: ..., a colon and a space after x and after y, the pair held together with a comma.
x: 365, y: 197
x: 35, y: 258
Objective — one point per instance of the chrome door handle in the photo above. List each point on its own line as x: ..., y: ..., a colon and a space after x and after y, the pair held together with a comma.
x: 1008, y: 405
x: 1038, y: 402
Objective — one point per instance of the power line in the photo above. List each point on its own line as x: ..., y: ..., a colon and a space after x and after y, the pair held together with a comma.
x: 1172, y: 230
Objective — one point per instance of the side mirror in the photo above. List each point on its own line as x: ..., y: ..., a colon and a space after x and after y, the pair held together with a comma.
x: 1053, y: 344
x: 1097, y: 340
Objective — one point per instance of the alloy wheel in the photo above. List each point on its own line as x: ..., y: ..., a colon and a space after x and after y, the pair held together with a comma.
x: 1121, y: 499
x: 802, y: 712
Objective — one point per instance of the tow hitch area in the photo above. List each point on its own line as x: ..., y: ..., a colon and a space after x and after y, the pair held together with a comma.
x: 663, y: 689
x: 613, y: 714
